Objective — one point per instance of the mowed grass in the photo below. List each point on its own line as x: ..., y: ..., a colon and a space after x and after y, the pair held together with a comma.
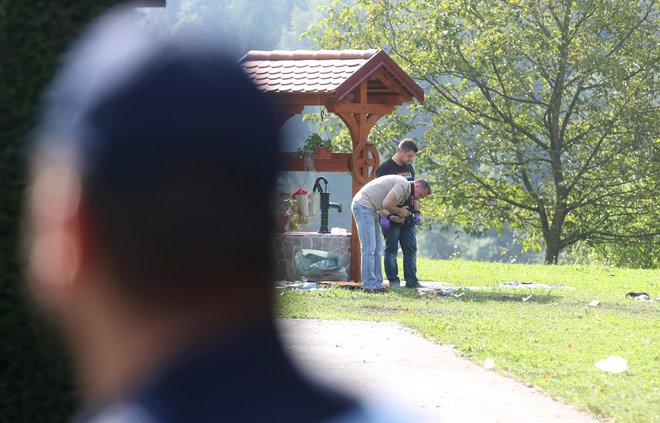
x: 552, y: 340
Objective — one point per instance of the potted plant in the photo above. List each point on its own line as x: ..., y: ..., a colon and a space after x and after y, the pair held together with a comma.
x: 316, y: 146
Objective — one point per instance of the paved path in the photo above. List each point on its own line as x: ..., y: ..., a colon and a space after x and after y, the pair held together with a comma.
x: 429, y: 383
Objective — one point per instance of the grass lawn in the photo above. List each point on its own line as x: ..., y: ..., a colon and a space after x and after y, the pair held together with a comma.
x: 551, y: 340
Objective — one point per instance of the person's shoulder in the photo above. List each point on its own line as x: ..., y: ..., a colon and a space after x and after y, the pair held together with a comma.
x: 386, y: 168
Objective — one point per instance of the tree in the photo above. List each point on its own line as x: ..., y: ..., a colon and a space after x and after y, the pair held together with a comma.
x: 540, y: 115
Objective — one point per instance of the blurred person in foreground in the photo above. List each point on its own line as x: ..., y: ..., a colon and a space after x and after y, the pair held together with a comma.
x: 148, y: 237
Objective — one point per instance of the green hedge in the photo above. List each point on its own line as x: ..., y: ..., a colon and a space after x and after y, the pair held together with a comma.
x: 35, y: 381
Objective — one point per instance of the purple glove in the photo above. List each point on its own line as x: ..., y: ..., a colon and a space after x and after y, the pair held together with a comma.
x: 384, y: 222
x: 418, y: 217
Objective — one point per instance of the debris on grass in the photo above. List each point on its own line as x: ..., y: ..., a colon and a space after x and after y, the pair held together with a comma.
x: 612, y: 364
x: 641, y: 296
x: 304, y: 286
x: 594, y: 303
x: 447, y: 292
x: 489, y: 363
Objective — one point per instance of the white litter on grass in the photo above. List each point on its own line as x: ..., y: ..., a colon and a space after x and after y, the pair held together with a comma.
x: 304, y: 286
x: 594, y: 303
x: 612, y: 364
x: 489, y: 363
x: 527, y: 298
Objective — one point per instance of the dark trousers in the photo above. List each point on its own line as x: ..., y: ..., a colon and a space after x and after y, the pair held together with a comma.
x: 405, y: 235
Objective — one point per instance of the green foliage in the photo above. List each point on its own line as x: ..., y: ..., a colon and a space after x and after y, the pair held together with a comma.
x: 35, y: 382
x: 552, y: 340
x: 333, y: 130
x: 540, y: 116
x: 313, y: 143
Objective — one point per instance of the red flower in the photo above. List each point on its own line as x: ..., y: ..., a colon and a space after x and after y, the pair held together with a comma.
x: 299, y: 191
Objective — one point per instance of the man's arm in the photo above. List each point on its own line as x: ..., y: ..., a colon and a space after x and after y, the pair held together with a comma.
x: 389, y: 204
x: 391, y: 216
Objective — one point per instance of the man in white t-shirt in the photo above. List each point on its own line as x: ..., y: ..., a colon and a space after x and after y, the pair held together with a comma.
x: 380, y: 197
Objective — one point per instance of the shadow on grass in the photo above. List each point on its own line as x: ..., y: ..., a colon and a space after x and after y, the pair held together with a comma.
x: 480, y: 296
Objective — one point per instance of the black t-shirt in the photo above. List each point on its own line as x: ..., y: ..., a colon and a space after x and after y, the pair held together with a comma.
x: 389, y: 167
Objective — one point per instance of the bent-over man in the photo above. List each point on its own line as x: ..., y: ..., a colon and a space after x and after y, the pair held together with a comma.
x: 381, y: 197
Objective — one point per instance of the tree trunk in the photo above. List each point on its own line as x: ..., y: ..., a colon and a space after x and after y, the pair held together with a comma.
x: 551, y: 249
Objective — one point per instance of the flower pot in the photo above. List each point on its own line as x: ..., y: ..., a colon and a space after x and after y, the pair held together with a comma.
x: 323, y: 153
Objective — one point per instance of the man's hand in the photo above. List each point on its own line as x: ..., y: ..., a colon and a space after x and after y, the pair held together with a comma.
x: 397, y: 219
x: 403, y: 212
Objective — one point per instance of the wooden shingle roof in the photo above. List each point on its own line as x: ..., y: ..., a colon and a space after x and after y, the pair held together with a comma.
x: 330, y: 73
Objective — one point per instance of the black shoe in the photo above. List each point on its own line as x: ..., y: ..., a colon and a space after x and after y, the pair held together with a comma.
x: 414, y: 285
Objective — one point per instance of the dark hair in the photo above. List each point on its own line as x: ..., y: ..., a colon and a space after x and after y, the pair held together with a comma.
x: 175, y: 203
x: 424, y: 184
x: 408, y: 145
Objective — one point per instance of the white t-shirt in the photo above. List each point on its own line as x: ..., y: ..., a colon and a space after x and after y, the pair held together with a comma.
x: 374, y: 192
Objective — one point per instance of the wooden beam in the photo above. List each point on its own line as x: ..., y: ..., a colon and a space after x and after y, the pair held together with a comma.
x: 371, y: 121
x: 286, y: 112
x: 389, y: 98
x: 379, y: 109
x: 388, y: 80
x: 351, y: 124
x: 356, y: 258
x: 339, y: 162
x: 359, y: 136
x: 362, y: 117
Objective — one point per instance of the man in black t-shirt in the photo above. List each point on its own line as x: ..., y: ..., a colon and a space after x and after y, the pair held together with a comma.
x: 401, y: 233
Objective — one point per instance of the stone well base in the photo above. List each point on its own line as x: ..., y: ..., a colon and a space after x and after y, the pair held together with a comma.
x: 289, y: 243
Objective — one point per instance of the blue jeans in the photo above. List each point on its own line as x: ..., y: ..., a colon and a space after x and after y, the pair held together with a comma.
x: 407, y: 236
x: 371, y: 246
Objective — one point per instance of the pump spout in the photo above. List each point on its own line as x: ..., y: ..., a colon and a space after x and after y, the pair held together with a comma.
x: 335, y: 206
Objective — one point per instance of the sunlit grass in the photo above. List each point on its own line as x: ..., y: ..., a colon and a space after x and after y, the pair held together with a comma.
x: 552, y: 340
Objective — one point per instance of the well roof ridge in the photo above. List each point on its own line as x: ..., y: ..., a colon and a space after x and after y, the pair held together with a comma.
x: 266, y: 55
